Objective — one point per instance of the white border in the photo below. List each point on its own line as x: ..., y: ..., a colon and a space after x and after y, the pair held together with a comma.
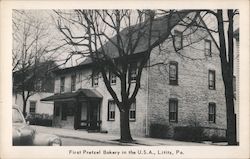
x: 8, y: 151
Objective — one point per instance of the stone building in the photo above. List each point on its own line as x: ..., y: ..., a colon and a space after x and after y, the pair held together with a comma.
x: 186, y: 90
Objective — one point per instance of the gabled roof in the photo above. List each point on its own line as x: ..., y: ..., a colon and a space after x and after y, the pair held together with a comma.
x: 160, y: 32
x: 85, y: 93
x: 28, y: 77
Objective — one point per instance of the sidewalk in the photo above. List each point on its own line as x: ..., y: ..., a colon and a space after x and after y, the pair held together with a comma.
x: 111, y: 138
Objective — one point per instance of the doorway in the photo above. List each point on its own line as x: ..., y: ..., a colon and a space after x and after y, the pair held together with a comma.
x: 89, y: 115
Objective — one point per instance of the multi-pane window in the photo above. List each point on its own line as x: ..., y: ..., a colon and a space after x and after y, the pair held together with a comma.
x: 208, y: 51
x: 211, y: 79
x: 62, y: 83
x: 173, y: 110
x: 173, y: 73
x: 178, y: 40
x: 95, y: 78
x: 112, y: 78
x: 64, y: 111
x: 132, y: 112
x: 132, y: 71
x: 32, y: 106
x: 211, y: 112
x: 73, y: 82
x: 111, y: 110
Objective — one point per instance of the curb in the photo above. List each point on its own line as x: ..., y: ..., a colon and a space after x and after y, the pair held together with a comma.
x: 88, y: 139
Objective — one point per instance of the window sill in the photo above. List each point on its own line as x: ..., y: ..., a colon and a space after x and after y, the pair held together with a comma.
x: 111, y: 120
x: 174, y: 84
x: 208, y: 55
x: 132, y: 81
x: 212, y: 122
x: 211, y: 89
x: 173, y: 121
x: 132, y: 120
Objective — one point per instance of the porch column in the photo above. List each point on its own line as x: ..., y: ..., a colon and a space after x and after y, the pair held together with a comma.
x: 77, y: 105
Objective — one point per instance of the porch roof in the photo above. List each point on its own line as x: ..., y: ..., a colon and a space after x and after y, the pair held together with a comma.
x: 87, y: 93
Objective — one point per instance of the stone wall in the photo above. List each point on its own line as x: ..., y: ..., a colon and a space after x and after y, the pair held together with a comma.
x: 152, y: 101
x: 192, y: 91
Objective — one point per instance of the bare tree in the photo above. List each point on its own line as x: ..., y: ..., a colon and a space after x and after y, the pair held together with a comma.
x: 223, y: 28
x: 32, y: 46
x: 99, y: 25
x: 225, y: 24
x: 115, y: 40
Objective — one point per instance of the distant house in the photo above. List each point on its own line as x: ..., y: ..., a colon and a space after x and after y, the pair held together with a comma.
x: 182, y: 93
x: 39, y: 82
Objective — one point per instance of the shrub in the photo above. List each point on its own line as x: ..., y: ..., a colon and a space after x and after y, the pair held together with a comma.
x: 159, y: 131
x: 39, y: 119
x: 216, y: 138
x: 189, y: 133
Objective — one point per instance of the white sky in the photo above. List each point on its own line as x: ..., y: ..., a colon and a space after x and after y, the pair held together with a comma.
x: 48, y: 16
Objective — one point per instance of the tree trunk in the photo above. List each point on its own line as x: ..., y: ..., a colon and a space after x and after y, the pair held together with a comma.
x: 24, y: 107
x: 231, y: 119
x: 124, y: 126
x: 227, y: 75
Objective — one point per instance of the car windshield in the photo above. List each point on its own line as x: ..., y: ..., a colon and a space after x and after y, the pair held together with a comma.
x: 17, y: 116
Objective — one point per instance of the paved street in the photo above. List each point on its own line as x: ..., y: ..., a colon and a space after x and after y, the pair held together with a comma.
x: 83, y: 138
x: 68, y: 141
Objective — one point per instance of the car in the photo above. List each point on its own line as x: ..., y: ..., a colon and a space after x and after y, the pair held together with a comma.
x: 24, y: 135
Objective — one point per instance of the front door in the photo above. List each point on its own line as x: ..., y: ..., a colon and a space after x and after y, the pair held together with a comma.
x: 93, y: 116
x: 83, y: 115
x: 88, y: 115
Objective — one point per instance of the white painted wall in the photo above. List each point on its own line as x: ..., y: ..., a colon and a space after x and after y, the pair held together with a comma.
x: 41, y: 107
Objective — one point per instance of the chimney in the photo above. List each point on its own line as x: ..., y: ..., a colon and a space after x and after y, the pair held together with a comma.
x: 148, y: 13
